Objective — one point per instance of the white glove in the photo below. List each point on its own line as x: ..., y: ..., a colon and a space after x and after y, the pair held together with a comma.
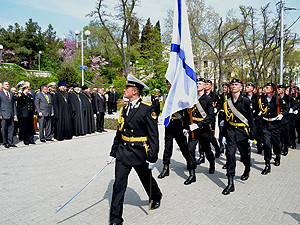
x: 279, y: 117
x: 193, y: 127
x: 291, y: 110
x: 111, y: 159
x: 150, y: 165
x: 215, y: 110
x: 224, y: 141
x: 296, y: 112
x: 250, y: 142
x: 222, y: 123
x: 185, y: 132
x: 259, y: 114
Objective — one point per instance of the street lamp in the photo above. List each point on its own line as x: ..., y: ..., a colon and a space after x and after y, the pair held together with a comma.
x: 40, y: 52
x: 1, y: 48
x: 242, y: 64
x: 87, y: 33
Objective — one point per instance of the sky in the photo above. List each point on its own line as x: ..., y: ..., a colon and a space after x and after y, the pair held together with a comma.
x: 66, y: 15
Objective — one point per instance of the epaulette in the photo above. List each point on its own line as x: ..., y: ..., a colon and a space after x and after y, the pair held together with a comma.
x: 146, y: 103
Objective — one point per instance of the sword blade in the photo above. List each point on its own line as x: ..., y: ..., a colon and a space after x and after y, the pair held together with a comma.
x: 83, y: 188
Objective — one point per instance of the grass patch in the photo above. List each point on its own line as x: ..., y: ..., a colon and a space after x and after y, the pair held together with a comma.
x: 110, y: 123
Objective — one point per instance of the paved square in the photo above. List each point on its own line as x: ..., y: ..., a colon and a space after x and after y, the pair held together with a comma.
x: 36, y: 180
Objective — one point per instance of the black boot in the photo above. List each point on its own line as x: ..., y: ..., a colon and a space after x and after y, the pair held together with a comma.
x: 246, y: 174
x: 259, y: 148
x: 211, y: 167
x: 267, y: 169
x: 191, y: 178
x: 277, y: 160
x: 230, y: 187
x: 285, y: 151
x: 201, y: 158
x: 164, y: 172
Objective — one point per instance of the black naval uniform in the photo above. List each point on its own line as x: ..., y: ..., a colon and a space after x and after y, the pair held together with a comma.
x: 295, y: 122
x: 271, y: 129
x: 135, y: 142
x: 237, y: 133
x: 175, y: 131
x: 201, y: 135
x: 25, y: 110
x: 156, y: 103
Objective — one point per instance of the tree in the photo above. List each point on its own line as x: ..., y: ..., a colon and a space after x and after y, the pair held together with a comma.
x: 122, y: 39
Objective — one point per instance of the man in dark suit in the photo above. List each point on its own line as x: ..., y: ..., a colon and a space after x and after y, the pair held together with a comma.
x: 100, y: 110
x: 115, y: 103
x: 7, y: 114
x: 44, y: 108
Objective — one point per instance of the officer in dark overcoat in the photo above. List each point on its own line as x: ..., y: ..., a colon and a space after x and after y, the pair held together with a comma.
x: 135, y: 145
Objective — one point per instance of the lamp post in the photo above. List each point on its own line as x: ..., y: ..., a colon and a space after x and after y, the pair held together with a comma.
x: 40, y: 52
x: 1, y: 48
x: 242, y: 64
x: 87, y: 33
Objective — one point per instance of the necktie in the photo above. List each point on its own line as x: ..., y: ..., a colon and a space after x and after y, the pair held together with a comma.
x: 129, y: 108
x: 47, y: 98
x: 7, y: 94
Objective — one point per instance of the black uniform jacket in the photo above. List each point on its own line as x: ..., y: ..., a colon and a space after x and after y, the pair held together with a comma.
x: 141, y: 122
x: 269, y: 110
x: 241, y: 132
x: 207, y: 104
x: 25, y: 105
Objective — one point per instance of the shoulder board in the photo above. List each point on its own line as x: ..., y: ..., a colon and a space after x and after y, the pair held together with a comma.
x: 146, y: 103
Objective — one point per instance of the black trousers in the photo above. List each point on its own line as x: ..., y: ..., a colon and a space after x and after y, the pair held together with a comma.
x: 27, y: 129
x: 121, y: 179
x: 172, y: 133
x: 115, y: 106
x: 244, y: 149
x: 293, y: 131
x: 271, y: 137
x: 100, y: 121
x: 203, y: 137
x: 285, y: 137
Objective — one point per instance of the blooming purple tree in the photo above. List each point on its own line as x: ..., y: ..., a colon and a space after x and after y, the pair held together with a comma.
x: 96, y: 64
x: 7, y: 55
x: 68, y: 50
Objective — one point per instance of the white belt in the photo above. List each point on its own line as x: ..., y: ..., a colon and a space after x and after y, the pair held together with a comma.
x: 270, y: 119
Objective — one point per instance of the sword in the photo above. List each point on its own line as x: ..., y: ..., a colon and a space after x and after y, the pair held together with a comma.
x: 150, y: 195
x: 83, y: 188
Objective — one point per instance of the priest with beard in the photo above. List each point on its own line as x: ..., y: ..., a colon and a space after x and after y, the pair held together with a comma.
x: 89, y: 119
x: 62, y: 113
x: 78, y: 108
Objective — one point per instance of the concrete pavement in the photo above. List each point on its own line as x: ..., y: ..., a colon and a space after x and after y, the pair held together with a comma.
x: 36, y: 180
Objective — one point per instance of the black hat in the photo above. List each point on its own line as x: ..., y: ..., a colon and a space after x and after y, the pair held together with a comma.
x: 281, y: 86
x: 250, y: 84
x: 201, y: 80
x: 75, y: 85
x: 270, y: 84
x: 134, y: 82
x: 84, y: 87
x: 208, y: 81
x: 235, y: 80
x: 225, y: 84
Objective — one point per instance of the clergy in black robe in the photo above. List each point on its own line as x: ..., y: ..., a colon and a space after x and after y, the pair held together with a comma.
x: 78, y: 109
x: 62, y: 114
x: 89, y: 119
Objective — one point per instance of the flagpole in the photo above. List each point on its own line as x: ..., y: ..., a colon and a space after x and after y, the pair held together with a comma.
x: 191, y: 120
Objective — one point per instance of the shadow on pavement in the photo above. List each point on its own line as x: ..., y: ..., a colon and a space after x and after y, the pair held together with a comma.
x: 296, y: 216
x: 131, y: 198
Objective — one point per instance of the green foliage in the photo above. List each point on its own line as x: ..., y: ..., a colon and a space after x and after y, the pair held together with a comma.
x: 110, y: 123
x: 12, y: 73
x: 119, y: 83
x: 69, y: 75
